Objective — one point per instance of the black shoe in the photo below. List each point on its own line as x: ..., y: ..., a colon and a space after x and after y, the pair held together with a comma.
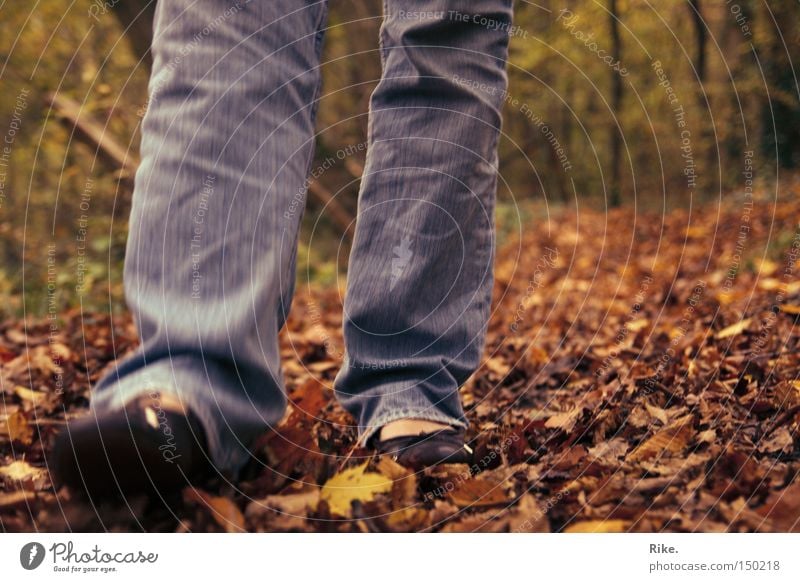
x: 142, y: 448
x: 426, y: 450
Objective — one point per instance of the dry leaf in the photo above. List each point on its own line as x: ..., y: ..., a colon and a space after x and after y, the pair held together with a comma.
x: 16, y: 499
x: 565, y: 420
x: 734, y: 329
x: 674, y: 438
x: 353, y: 484
x: 599, y: 526
x: 297, y: 504
x: 637, y: 324
x: 16, y: 428
x: 223, y: 510
x: 21, y: 471
x: 478, y: 492
x: 497, y: 368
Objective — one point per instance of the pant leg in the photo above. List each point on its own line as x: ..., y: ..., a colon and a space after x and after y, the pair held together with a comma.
x: 420, y: 272
x: 227, y: 143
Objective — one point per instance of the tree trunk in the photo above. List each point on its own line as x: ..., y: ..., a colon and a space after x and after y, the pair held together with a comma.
x: 615, y: 136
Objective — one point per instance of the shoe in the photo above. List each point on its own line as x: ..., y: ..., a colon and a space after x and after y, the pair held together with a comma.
x: 148, y: 447
x: 426, y: 450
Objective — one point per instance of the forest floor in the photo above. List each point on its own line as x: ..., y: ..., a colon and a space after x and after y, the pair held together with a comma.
x: 641, y: 374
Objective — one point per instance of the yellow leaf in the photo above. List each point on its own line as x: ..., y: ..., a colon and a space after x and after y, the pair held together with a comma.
x: 790, y: 309
x: 20, y: 471
x: 734, y: 329
x: 17, y: 428
x: 36, y: 398
x: 599, y: 526
x: 769, y: 284
x: 768, y: 267
x: 637, y: 325
x: 353, y: 484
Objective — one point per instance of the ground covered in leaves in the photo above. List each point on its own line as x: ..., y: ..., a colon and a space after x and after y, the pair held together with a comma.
x: 641, y: 374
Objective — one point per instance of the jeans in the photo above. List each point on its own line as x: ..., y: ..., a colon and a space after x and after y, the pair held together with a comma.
x: 227, y: 144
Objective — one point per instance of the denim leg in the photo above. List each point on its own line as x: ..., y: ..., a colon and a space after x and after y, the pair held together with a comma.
x: 227, y: 143
x: 420, y: 272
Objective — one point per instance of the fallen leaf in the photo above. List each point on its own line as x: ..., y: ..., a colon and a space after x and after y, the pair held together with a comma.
x: 779, y: 441
x: 674, y: 438
x: 734, y: 329
x: 21, y: 471
x: 16, y: 499
x: 599, y: 526
x: 637, y: 324
x: 353, y: 484
x: 16, y: 428
x: 657, y: 413
x: 478, y: 492
x: 297, y: 504
x: 565, y: 420
x: 222, y: 510
x: 497, y: 368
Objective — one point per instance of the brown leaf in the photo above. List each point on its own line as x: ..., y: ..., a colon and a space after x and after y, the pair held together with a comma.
x: 565, y: 420
x: 599, y: 526
x: 674, y: 438
x: 478, y: 492
x: 222, y: 510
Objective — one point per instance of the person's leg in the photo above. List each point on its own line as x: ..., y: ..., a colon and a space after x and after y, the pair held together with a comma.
x: 227, y: 142
x: 420, y: 272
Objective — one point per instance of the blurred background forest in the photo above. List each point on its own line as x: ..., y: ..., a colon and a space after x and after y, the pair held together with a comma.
x: 611, y: 102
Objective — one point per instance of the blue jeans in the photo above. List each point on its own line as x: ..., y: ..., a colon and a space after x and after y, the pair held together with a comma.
x: 227, y: 143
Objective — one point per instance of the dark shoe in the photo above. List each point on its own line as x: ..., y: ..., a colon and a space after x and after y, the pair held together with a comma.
x: 426, y: 450
x: 143, y: 448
